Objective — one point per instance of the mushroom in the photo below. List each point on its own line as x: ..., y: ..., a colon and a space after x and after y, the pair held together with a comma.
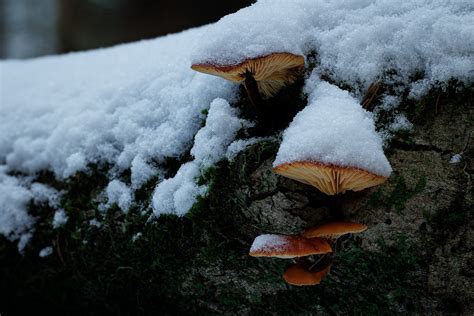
x: 262, y: 76
x: 286, y: 247
x: 298, y: 275
x: 334, y: 230
x: 330, y: 179
x: 332, y: 144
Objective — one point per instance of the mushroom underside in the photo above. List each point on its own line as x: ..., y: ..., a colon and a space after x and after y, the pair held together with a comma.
x: 329, y: 179
x: 271, y: 72
x: 334, y: 230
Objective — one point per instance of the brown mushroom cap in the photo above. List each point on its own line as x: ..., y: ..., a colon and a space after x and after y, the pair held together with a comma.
x: 298, y: 275
x: 334, y: 230
x: 272, y: 72
x: 282, y: 246
x: 329, y: 179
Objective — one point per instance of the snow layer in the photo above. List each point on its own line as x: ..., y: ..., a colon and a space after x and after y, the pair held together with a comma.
x: 111, y: 105
x: 178, y: 194
x: 127, y: 106
x: 356, y: 41
x: 333, y: 129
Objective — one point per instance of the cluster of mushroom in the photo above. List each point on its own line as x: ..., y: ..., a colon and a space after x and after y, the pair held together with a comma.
x: 318, y: 161
x: 318, y: 240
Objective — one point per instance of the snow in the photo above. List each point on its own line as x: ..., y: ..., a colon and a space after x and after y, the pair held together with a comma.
x: 137, y: 236
x: 119, y: 193
x: 131, y: 106
x: 45, y: 252
x: 141, y: 172
x: 60, y: 218
x: 94, y: 222
x: 356, y: 42
x: 400, y: 123
x: 333, y: 129
x: 110, y: 105
x: 455, y: 159
x: 16, y: 194
x: 268, y: 243
x: 177, y: 195
x: 15, y: 223
x: 222, y: 124
x: 241, y: 144
x: 44, y: 194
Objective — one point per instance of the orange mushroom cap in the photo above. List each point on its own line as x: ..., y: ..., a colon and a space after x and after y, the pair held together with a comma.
x: 283, y: 246
x: 272, y: 72
x: 334, y: 230
x: 329, y: 179
x: 298, y: 275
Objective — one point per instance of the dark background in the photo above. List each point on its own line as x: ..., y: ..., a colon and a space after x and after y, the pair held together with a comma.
x: 30, y: 28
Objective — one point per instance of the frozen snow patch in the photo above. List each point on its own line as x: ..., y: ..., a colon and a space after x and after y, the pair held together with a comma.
x: 45, y: 252
x: 119, y: 193
x: 455, y: 159
x: 241, y: 144
x: 94, y: 222
x: 60, y: 218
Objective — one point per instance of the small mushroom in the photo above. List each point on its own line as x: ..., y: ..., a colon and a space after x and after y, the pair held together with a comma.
x: 298, y: 275
x: 262, y: 76
x: 329, y: 178
x: 286, y: 247
x: 334, y: 230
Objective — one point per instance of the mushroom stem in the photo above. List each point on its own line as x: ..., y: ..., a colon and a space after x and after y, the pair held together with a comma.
x: 252, y: 90
x: 326, y: 259
x: 316, y: 262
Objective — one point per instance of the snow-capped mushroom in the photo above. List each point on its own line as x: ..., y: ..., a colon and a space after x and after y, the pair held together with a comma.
x: 332, y: 144
x: 329, y: 178
x: 298, y: 275
x: 287, y: 247
x: 334, y: 230
x: 262, y: 76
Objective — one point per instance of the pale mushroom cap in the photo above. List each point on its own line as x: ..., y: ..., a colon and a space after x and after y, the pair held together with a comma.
x: 286, y: 247
x: 297, y: 275
x: 272, y: 72
x: 329, y: 179
x: 334, y: 230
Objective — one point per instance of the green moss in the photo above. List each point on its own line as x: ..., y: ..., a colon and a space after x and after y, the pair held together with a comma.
x: 402, y: 193
x: 399, y: 195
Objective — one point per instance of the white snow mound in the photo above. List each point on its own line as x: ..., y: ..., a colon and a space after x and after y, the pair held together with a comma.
x: 178, y: 194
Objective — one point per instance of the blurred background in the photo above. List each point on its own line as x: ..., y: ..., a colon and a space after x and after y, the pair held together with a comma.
x: 31, y: 28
